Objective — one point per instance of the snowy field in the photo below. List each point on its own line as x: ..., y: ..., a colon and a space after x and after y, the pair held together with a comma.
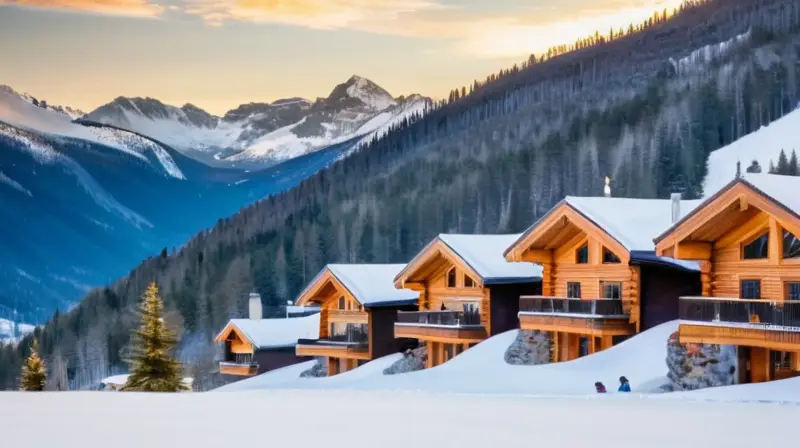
x: 382, y: 419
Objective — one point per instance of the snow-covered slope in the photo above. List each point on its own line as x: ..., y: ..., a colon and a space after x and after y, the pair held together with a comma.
x: 762, y: 146
x: 483, y: 370
x: 264, y: 133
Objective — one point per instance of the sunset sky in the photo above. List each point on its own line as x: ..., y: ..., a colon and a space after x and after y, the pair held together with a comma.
x: 218, y: 54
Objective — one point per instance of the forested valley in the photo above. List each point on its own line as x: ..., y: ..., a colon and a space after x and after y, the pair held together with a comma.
x: 643, y: 105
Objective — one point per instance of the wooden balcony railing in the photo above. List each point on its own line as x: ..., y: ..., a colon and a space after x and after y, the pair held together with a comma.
x: 440, y: 318
x: 773, y: 315
x: 590, y: 308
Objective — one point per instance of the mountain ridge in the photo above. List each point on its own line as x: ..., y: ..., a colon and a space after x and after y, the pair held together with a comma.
x: 262, y: 133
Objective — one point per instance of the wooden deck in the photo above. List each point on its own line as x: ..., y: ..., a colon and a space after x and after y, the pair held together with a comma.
x: 599, y: 326
x: 772, y: 338
x: 454, y: 334
x: 228, y: 368
x: 333, y: 351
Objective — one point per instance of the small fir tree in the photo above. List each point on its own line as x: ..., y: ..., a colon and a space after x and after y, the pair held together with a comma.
x: 783, y: 163
x: 794, y: 166
x: 34, y: 374
x: 152, y: 367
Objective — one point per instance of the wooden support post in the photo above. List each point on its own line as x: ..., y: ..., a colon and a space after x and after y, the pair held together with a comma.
x: 431, y: 354
x: 592, y: 347
x: 607, y: 342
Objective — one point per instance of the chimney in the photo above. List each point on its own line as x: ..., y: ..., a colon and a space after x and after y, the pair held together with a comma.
x: 676, y: 207
x: 255, y: 306
x: 607, y: 188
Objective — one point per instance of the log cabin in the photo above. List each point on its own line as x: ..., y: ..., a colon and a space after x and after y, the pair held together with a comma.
x: 744, y: 239
x: 601, y: 279
x: 467, y: 292
x: 359, y: 306
x: 255, y: 345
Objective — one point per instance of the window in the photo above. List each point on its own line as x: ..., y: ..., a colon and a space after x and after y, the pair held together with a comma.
x: 451, y: 278
x: 468, y: 282
x: 573, y: 290
x: 342, y: 303
x: 792, y: 290
x: 611, y: 290
x: 610, y: 257
x: 791, y: 245
x: 757, y: 249
x: 750, y: 289
x: 582, y: 255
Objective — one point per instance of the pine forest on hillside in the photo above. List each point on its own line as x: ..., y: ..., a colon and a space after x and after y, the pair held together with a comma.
x: 645, y: 107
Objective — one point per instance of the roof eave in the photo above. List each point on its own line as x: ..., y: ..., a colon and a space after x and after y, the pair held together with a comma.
x: 510, y: 280
x: 391, y: 304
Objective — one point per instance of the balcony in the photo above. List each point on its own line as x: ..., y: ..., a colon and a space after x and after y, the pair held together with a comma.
x: 441, y: 326
x: 594, y: 317
x: 336, y: 346
x: 732, y: 321
x: 239, y: 364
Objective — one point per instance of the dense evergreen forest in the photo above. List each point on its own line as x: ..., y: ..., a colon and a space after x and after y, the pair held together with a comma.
x: 644, y: 106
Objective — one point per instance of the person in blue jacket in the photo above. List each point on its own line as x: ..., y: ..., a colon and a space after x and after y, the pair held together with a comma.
x: 624, y: 385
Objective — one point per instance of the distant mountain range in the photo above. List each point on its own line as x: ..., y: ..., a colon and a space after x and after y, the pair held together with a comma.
x: 258, y: 134
x: 85, y: 197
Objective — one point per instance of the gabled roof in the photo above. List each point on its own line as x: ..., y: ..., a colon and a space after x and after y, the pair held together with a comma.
x: 372, y: 285
x: 273, y: 333
x: 782, y: 191
x: 483, y: 254
x: 632, y: 223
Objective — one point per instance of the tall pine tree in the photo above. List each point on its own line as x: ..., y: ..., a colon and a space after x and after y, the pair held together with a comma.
x: 34, y: 373
x: 152, y: 367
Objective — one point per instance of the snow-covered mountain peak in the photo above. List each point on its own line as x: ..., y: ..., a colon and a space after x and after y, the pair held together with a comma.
x: 7, y: 91
x: 261, y: 133
x: 370, y: 94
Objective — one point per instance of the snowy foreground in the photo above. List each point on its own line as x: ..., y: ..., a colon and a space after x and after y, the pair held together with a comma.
x: 475, y: 400
x: 386, y: 419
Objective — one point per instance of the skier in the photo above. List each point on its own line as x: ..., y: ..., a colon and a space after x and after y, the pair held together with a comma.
x: 624, y: 385
x: 598, y: 386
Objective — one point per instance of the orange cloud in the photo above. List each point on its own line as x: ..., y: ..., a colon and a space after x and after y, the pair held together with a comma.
x: 133, y: 8
x: 367, y: 15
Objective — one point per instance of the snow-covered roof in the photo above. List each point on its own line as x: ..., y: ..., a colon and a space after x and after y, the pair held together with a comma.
x: 782, y: 189
x: 372, y: 284
x: 484, y: 254
x: 632, y: 222
x: 277, y: 333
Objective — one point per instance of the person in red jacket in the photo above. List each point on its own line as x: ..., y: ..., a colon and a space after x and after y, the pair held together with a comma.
x: 598, y: 386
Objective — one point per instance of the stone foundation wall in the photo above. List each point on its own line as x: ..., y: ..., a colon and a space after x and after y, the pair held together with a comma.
x: 411, y: 361
x: 530, y: 348
x: 699, y: 366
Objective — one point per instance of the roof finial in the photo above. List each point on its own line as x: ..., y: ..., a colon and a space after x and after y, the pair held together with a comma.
x: 607, y: 188
x: 738, y: 169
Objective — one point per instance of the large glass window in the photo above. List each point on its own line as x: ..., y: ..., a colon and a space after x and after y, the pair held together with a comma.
x: 791, y: 245
x: 342, y: 303
x: 792, y: 290
x: 750, y: 289
x: 610, y: 257
x: 611, y: 290
x: 468, y: 282
x: 451, y: 278
x: 574, y: 290
x: 582, y: 255
x: 757, y: 249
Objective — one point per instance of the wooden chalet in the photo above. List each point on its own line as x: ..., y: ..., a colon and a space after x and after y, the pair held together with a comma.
x: 467, y: 292
x: 255, y: 345
x: 601, y: 279
x: 359, y: 306
x: 745, y: 239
